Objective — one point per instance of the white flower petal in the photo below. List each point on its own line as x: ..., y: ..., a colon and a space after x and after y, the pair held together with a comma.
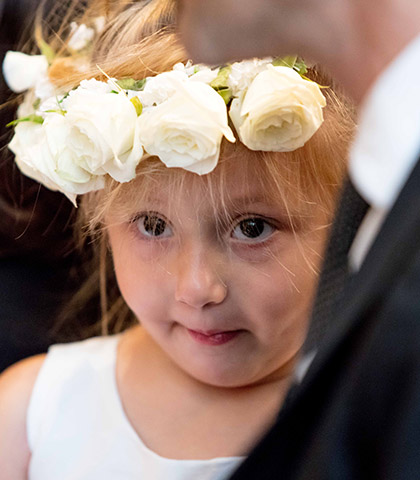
x: 186, y: 130
x: 22, y: 71
x: 158, y: 89
x: 99, y: 23
x: 102, y: 135
x: 81, y: 36
x: 280, y: 111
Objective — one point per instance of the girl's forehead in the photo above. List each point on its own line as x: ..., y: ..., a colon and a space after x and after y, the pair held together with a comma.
x: 207, y: 190
x: 242, y: 178
x: 232, y: 189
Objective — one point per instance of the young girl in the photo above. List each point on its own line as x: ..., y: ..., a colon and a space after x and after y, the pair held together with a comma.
x: 216, y: 229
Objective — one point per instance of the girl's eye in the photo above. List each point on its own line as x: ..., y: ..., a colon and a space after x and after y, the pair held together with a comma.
x: 253, y: 228
x: 152, y: 225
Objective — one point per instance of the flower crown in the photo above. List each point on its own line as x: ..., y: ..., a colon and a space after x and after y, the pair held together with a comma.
x: 70, y: 141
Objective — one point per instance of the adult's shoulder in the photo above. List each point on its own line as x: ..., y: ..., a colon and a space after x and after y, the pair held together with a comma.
x: 16, y: 385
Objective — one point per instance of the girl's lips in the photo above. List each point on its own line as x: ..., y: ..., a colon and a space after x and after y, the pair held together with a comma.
x: 213, y: 338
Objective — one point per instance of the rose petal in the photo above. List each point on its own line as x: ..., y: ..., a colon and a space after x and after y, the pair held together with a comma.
x: 22, y: 71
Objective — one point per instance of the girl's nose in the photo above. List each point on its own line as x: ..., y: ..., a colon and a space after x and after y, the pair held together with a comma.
x: 199, y: 281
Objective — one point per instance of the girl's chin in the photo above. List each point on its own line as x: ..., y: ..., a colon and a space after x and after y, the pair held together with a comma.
x: 216, y: 374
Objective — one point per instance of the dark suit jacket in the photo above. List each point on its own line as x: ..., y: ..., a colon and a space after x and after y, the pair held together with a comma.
x: 356, y: 414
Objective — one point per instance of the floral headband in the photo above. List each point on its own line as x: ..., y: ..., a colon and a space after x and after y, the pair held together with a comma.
x: 70, y: 141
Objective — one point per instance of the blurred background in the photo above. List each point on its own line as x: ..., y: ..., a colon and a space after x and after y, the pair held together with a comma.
x: 40, y: 269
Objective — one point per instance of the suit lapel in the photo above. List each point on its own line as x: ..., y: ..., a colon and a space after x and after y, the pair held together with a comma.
x: 392, y: 251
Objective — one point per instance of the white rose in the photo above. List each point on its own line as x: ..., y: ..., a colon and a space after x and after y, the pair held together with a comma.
x: 188, y: 68
x: 101, y: 132
x: 80, y: 36
x: 279, y: 112
x: 22, y: 71
x: 43, y: 97
x: 197, y: 73
x: 40, y: 155
x: 44, y: 89
x: 96, y: 86
x: 186, y: 131
x: 205, y: 75
x: 158, y: 89
x: 27, y: 106
x: 243, y: 73
x: 71, y: 151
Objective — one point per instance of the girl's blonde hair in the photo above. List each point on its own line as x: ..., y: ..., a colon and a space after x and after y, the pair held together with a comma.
x: 140, y: 39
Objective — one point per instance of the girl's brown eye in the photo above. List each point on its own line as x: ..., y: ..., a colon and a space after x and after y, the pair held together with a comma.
x: 253, y: 228
x: 151, y: 225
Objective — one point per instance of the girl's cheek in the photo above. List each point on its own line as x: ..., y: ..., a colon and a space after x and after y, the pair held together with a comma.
x: 148, y: 250
x: 274, y: 248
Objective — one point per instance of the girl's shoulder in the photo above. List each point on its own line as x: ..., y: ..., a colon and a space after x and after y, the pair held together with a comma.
x: 16, y: 385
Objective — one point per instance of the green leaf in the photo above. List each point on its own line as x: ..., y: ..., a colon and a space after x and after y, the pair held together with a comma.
x: 137, y: 105
x: 291, y: 61
x: 30, y: 118
x: 309, y: 80
x: 226, y: 94
x: 60, y: 111
x: 131, y: 84
x: 221, y: 81
x: 65, y: 96
x: 288, y: 61
x: 46, y: 50
x: 300, y: 67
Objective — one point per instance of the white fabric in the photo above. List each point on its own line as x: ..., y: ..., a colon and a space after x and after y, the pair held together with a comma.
x: 387, y: 145
x: 365, y: 236
x: 303, y: 366
x: 77, y: 428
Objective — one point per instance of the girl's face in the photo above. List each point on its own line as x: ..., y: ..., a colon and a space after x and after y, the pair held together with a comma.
x: 226, y: 297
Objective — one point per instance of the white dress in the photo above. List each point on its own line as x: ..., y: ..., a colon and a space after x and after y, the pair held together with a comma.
x: 78, y: 430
